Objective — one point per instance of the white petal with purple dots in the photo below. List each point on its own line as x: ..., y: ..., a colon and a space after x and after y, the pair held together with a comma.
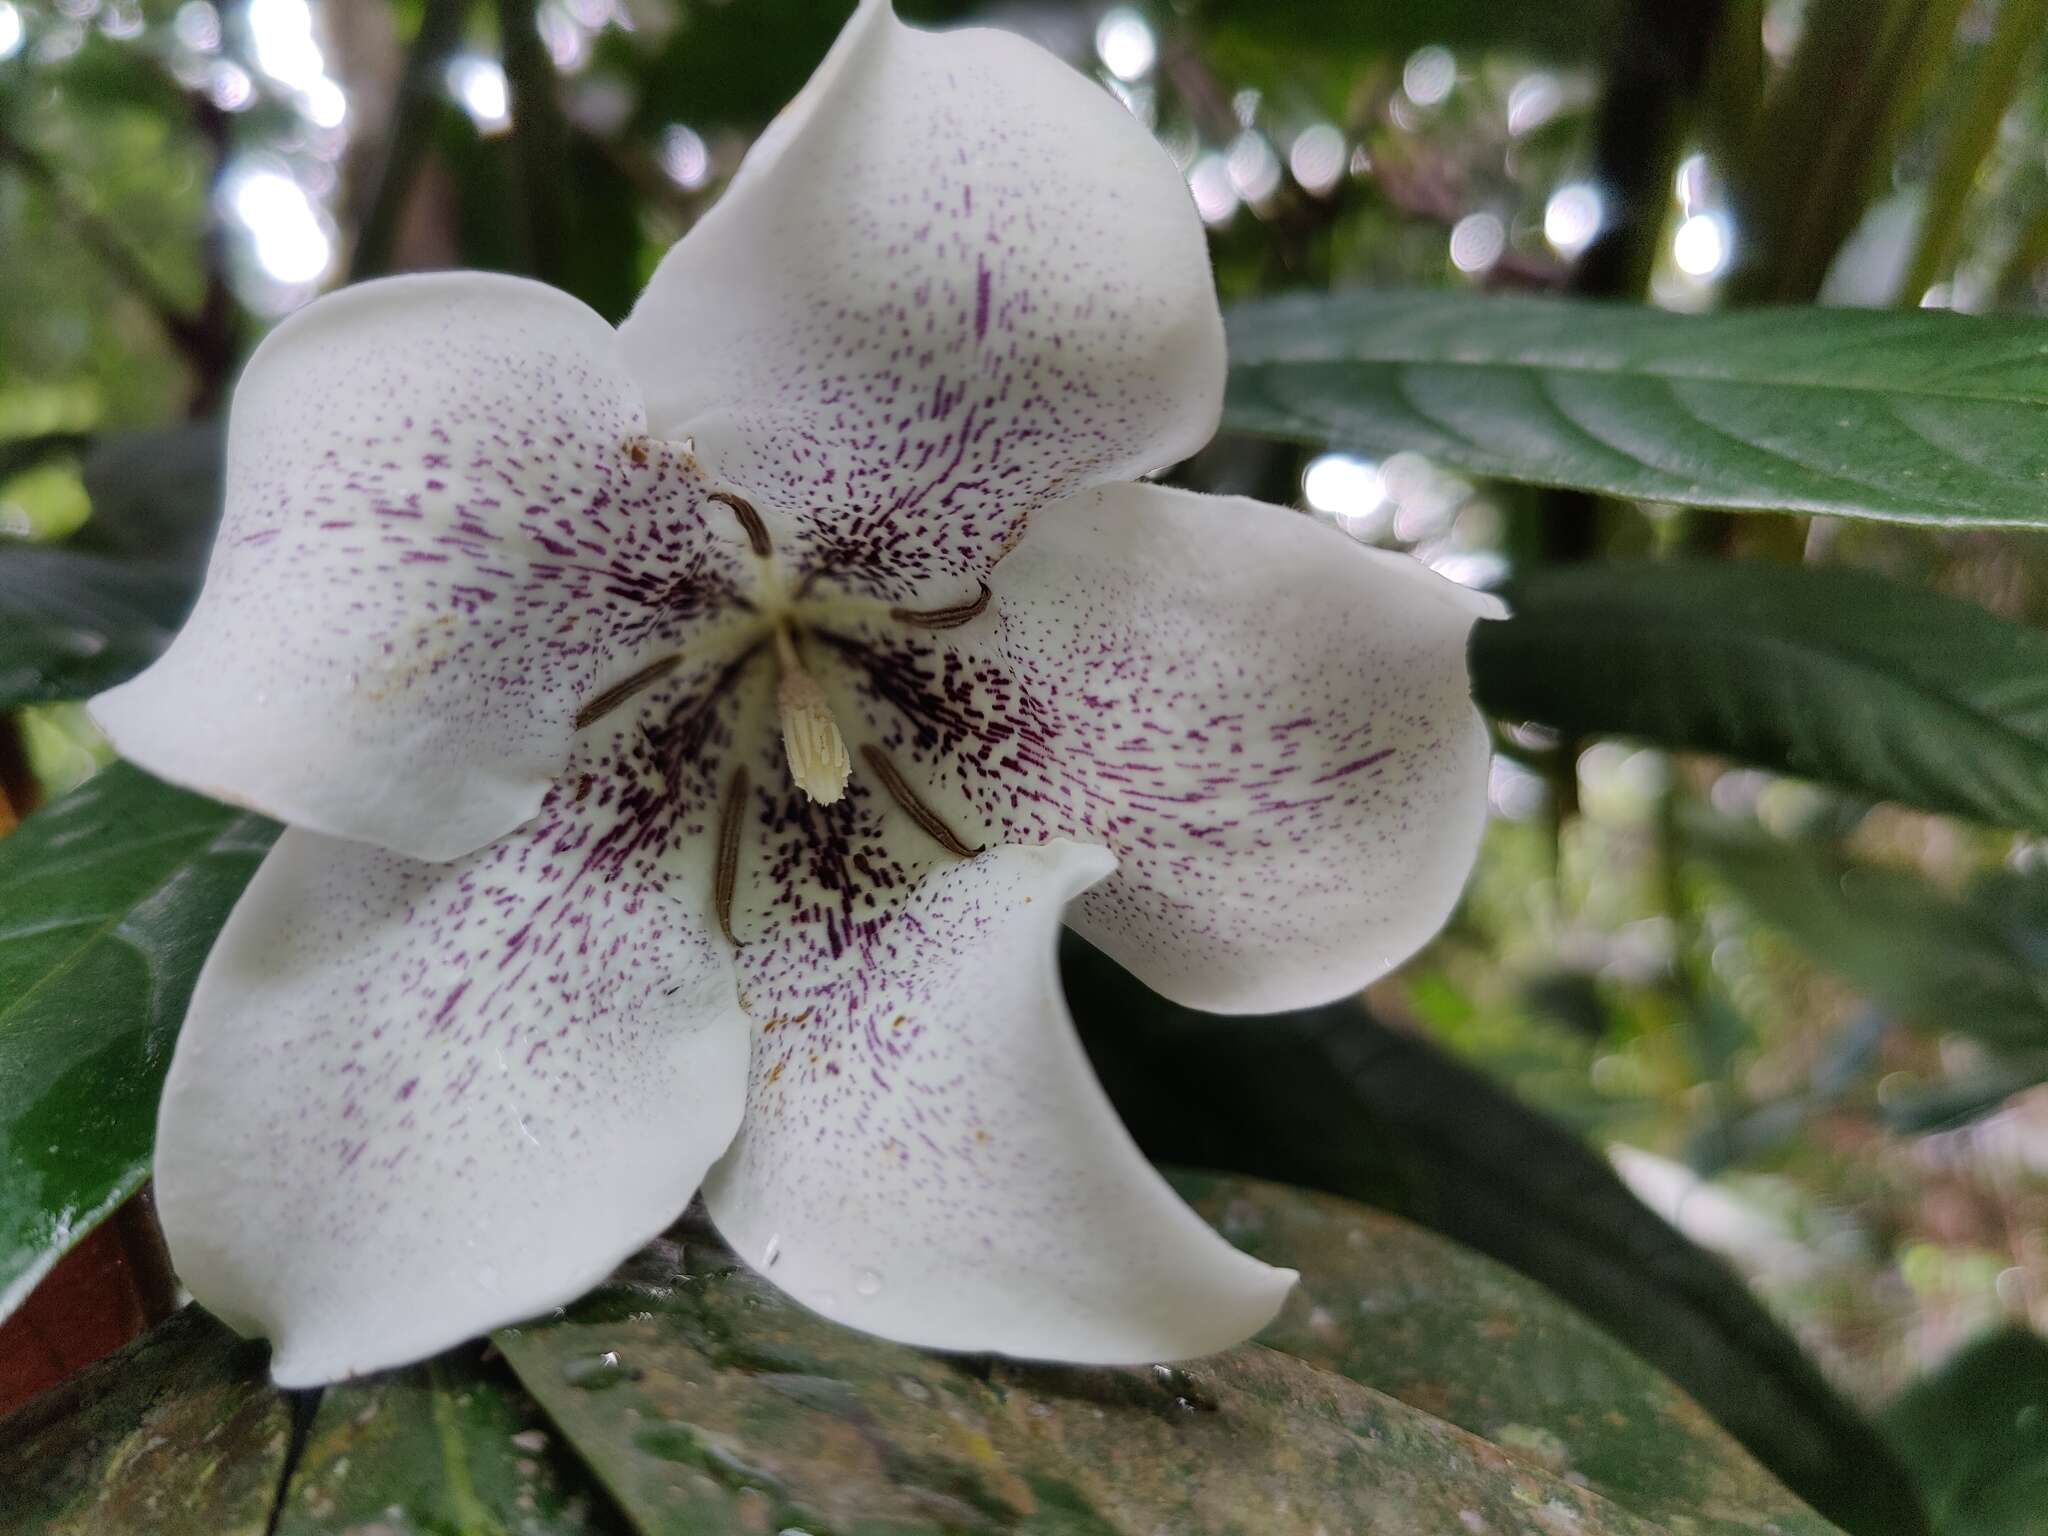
x: 436, y: 536
x: 413, y: 1101
x: 702, y: 787
x: 927, y: 1155
x: 955, y: 281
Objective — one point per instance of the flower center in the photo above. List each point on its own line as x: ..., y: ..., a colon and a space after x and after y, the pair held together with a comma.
x: 810, y: 737
x: 820, y: 764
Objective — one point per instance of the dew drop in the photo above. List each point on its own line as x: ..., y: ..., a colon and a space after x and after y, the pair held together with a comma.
x: 773, y: 1251
x: 913, y: 1389
x: 868, y: 1282
x: 594, y: 1373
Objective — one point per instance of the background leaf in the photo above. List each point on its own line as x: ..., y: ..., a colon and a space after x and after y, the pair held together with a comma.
x: 1940, y: 962
x: 180, y: 1434
x: 1836, y: 675
x: 454, y: 1445
x: 1975, y: 1434
x: 1408, y: 1313
x: 1911, y: 416
x: 109, y: 901
x: 709, y: 1403
x: 1333, y: 1100
x: 92, y: 611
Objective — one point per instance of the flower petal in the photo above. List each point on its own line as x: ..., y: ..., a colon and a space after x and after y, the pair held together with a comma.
x: 954, y: 281
x: 1269, y: 724
x: 927, y: 1155
x: 437, y: 536
x: 414, y: 1101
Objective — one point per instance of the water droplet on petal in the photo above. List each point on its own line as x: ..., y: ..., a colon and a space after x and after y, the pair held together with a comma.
x: 773, y: 1251
x: 868, y: 1282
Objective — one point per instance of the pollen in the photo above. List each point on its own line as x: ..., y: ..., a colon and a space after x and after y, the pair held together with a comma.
x: 816, y: 751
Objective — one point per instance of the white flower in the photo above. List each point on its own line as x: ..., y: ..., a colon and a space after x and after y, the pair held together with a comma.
x: 692, y: 737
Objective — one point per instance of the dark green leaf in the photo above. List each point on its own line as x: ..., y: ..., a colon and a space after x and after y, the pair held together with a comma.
x: 94, y: 610
x: 1335, y: 1101
x: 711, y: 1405
x: 452, y: 1445
x: 1937, y: 961
x: 180, y: 1434
x: 1834, y: 675
x: 1912, y: 416
x: 1571, y: 30
x: 1968, y: 1098
x: 1976, y: 1437
x: 109, y: 901
x: 1442, y: 1328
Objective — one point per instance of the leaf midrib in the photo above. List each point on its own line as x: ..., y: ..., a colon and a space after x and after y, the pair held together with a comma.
x: 1664, y: 374
x: 103, y: 929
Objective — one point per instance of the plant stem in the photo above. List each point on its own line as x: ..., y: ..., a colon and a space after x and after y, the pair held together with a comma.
x: 540, y: 138
x: 2029, y: 254
x: 412, y: 116
x: 1969, y: 140
x: 1826, y: 134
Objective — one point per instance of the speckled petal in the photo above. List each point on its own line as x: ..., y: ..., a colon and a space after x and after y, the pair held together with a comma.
x: 440, y: 538
x: 414, y: 1101
x: 926, y: 1153
x: 1269, y: 723
x: 955, y: 280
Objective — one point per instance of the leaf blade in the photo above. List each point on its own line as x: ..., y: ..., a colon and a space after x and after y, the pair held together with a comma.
x: 1330, y: 1099
x: 109, y: 901
x: 1909, y: 417
x: 1828, y: 674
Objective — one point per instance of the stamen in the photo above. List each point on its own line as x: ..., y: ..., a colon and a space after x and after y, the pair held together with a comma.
x: 730, y: 816
x: 943, y: 618
x: 623, y: 690
x: 901, y: 792
x: 757, y: 531
x: 810, y: 737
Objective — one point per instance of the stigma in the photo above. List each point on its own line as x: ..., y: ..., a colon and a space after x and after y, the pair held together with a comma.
x: 818, y: 759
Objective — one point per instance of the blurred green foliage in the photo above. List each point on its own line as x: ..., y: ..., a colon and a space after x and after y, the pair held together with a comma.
x: 1828, y: 1000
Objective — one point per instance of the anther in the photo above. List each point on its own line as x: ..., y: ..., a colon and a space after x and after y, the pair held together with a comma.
x: 810, y: 737
x: 750, y: 520
x: 943, y: 618
x: 906, y: 797
x: 730, y: 816
x: 624, y: 689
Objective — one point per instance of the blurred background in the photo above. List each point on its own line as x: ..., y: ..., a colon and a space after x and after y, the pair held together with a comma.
x: 1814, y: 1050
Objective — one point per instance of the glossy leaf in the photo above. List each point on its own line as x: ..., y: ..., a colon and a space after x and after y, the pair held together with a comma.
x: 93, y: 610
x: 711, y: 1404
x: 1939, y: 962
x: 451, y: 1445
x: 1330, y: 1099
x: 181, y: 1434
x: 1835, y: 675
x: 109, y: 901
x: 1418, y: 1317
x: 1975, y: 1434
x: 1912, y: 416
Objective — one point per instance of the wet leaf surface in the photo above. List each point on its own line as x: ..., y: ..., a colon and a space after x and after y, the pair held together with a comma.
x: 109, y: 901
x: 453, y: 1445
x: 180, y: 1434
x: 707, y: 1403
x: 1453, y: 1333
